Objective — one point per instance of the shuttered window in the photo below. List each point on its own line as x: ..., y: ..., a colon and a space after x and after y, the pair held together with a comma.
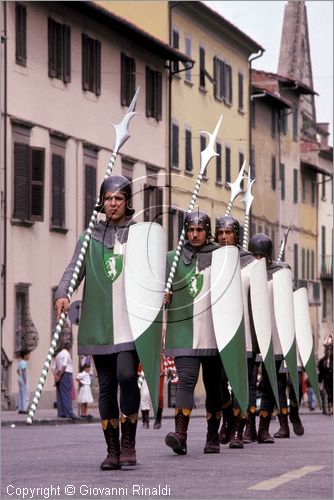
x: 240, y: 91
x: 91, y: 64
x: 128, y: 79
x: 222, y: 80
x: 153, y: 203
x: 59, y: 48
x: 20, y: 34
x: 188, y: 152
x: 28, y: 182
x: 282, y: 180
x: 153, y: 94
x: 227, y: 164
x: 90, y: 192
x: 58, y: 191
x: 202, y: 68
x: 175, y: 45
x: 273, y: 173
x: 219, y: 163
x: 175, y: 146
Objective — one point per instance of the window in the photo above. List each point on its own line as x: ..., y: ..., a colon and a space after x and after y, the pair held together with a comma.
x: 273, y: 123
x: 303, y: 263
x: 295, y: 185
x: 313, y: 192
x: 26, y: 335
x: 303, y: 189
x: 282, y: 180
x: 188, y: 152
x: 323, y: 188
x: 20, y: 34
x: 90, y: 166
x: 188, y: 54
x: 252, y: 113
x: 312, y: 264
x: 59, y: 45
x: 153, y: 94
x: 153, y: 198
x: 308, y: 264
x: 219, y: 163
x: 223, y: 80
x: 295, y: 124
x: 295, y: 262
x: 202, y: 140
x: 324, y: 304
x: 241, y: 162
x: 252, y: 163
x: 240, y: 91
x: 28, y: 182
x: 128, y: 79
x: 227, y: 164
x: 175, y: 45
x: 91, y: 64
x: 283, y: 120
x: 273, y: 173
x: 57, y: 183
x: 323, y: 250
x: 175, y: 145
x: 202, y: 68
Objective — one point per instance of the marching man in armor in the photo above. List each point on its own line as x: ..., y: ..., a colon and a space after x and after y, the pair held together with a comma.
x: 261, y: 247
x: 104, y: 329
x: 190, y: 337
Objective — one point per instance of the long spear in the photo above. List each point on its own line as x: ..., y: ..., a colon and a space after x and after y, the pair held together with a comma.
x: 236, y: 189
x: 206, y: 156
x: 247, y: 200
x: 122, y: 135
x: 284, y: 241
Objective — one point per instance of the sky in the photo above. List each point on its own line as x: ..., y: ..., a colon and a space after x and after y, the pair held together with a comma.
x: 263, y: 21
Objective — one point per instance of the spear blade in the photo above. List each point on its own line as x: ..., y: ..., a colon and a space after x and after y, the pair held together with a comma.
x: 209, y: 151
x: 121, y: 129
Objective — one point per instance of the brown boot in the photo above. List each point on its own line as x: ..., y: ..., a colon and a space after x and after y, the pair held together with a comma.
x: 157, y: 423
x: 145, y: 419
x: 297, y: 425
x: 239, y: 423
x: 128, y: 439
x: 212, y: 437
x: 283, y: 431
x: 111, y: 435
x: 178, y: 440
x: 226, y: 428
x: 250, y: 435
x: 263, y: 435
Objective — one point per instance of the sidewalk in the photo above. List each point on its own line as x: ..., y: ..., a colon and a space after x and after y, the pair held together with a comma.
x: 49, y: 416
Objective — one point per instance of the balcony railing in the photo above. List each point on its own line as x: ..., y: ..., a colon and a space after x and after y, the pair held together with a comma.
x: 326, y: 271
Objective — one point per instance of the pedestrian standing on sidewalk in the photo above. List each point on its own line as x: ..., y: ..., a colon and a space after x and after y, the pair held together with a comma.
x: 63, y: 375
x: 85, y: 396
x: 22, y: 371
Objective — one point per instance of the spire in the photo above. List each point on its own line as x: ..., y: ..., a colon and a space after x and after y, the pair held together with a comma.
x: 295, y: 58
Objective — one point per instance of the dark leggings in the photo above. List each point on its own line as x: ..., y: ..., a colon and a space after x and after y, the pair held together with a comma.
x: 113, y: 370
x: 284, y: 383
x: 267, y: 395
x: 188, y: 370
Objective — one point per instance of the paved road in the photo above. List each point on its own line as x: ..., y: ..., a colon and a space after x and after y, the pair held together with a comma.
x: 62, y: 462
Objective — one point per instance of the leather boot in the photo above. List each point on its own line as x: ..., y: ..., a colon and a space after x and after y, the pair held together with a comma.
x: 157, y: 423
x: 212, y: 437
x: 239, y: 423
x: 250, y: 434
x: 226, y: 427
x: 178, y: 440
x: 263, y: 435
x: 145, y: 419
x: 297, y: 425
x: 128, y: 439
x: 111, y: 435
x: 283, y: 431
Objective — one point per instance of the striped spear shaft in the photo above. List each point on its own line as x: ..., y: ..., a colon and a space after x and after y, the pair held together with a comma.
x: 236, y: 189
x: 247, y: 200
x: 122, y: 135
x: 206, y: 156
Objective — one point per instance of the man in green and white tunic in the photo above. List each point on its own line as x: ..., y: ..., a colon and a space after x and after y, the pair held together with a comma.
x: 104, y: 329
x: 190, y: 336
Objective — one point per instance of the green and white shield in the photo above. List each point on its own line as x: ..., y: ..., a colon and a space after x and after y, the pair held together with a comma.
x: 285, y: 321
x: 228, y: 319
x: 304, y: 338
x: 145, y: 271
x: 113, y: 264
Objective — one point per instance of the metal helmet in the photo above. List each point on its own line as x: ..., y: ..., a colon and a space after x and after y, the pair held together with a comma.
x: 229, y: 222
x: 261, y: 244
x: 116, y: 183
x: 200, y: 218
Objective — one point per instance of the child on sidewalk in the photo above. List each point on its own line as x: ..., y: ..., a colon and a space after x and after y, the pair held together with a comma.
x: 85, y: 395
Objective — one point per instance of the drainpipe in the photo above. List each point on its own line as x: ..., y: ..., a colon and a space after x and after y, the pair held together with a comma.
x: 250, y: 60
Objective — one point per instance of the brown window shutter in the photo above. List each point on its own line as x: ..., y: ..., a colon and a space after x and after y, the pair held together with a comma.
x: 21, y: 34
x: 37, y: 184
x: 66, y: 54
x: 58, y: 191
x: 90, y: 192
x: 85, y: 62
x: 52, y: 47
x: 132, y: 79
x: 97, y: 66
x: 147, y: 202
x: 21, y: 181
x: 158, y: 96
x: 149, y: 91
x: 159, y: 205
x: 123, y: 80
